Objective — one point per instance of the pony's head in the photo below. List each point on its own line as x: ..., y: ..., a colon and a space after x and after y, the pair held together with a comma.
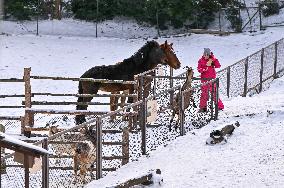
x: 171, y: 58
x: 189, y: 71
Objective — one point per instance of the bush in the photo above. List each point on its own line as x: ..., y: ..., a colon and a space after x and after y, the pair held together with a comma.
x: 269, y: 7
x: 20, y: 9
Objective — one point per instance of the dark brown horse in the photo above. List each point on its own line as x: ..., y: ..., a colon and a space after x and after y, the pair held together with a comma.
x: 148, y: 57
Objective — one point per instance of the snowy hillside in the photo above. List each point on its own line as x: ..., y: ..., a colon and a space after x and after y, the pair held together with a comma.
x: 253, y: 156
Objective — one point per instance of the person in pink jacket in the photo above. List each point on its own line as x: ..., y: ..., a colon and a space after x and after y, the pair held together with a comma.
x: 206, y: 66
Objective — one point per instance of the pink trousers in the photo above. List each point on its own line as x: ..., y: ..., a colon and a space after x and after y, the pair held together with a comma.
x: 204, y: 96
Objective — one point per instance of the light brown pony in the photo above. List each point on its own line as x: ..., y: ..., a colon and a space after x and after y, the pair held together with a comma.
x: 187, y: 97
x: 147, y: 58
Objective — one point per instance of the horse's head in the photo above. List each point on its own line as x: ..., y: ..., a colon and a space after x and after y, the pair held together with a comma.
x: 171, y: 58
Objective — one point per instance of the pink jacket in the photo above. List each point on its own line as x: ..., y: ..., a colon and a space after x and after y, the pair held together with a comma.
x: 208, y: 71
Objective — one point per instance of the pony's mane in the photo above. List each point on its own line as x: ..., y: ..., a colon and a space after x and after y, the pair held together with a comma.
x: 142, y: 54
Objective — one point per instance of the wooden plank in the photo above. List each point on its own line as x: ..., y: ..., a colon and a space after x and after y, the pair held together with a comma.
x: 214, y: 32
x: 65, y: 103
x: 10, y: 117
x: 71, y: 112
x: 113, y: 143
x: 113, y: 158
x: 71, y: 168
x: 7, y: 106
x: 6, y: 96
x: 83, y: 79
x: 83, y: 95
x: 12, y: 80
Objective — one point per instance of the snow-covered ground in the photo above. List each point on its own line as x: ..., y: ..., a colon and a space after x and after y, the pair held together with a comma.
x: 253, y: 156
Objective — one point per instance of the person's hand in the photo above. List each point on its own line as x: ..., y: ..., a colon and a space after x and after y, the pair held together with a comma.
x: 209, y: 62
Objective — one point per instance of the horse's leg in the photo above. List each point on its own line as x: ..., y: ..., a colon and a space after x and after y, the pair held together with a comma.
x: 130, y: 99
x: 123, y: 99
x: 85, y: 88
x: 113, y: 104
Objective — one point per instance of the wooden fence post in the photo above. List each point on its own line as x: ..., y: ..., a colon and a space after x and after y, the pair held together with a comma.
x: 142, y: 119
x: 99, y: 148
x: 246, y: 78
x: 216, y: 99
x: 228, y: 80
x: 171, y: 86
x: 212, y: 101
x: 27, y: 172
x: 275, y: 61
x: 2, y: 151
x: 29, y: 119
x: 125, y: 146
x: 261, y: 70
x: 181, y: 111
x: 143, y: 126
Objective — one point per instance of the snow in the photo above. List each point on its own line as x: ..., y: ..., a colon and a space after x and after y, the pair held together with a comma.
x: 253, y: 155
x: 13, y: 140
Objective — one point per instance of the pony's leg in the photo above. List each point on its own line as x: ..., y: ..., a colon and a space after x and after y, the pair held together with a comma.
x: 85, y: 88
x: 75, y: 164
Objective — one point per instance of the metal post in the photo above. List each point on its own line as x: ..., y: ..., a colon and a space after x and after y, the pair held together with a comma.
x: 261, y: 70
x: 275, y: 61
x: 228, y: 80
x: 45, y: 166
x: 37, y: 17
x: 246, y: 79
x: 99, y: 148
x: 97, y: 18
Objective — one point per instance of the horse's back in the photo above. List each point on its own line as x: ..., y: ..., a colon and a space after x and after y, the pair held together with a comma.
x: 109, y: 72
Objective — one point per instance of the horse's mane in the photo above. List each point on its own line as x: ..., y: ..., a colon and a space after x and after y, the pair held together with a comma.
x: 140, y: 57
